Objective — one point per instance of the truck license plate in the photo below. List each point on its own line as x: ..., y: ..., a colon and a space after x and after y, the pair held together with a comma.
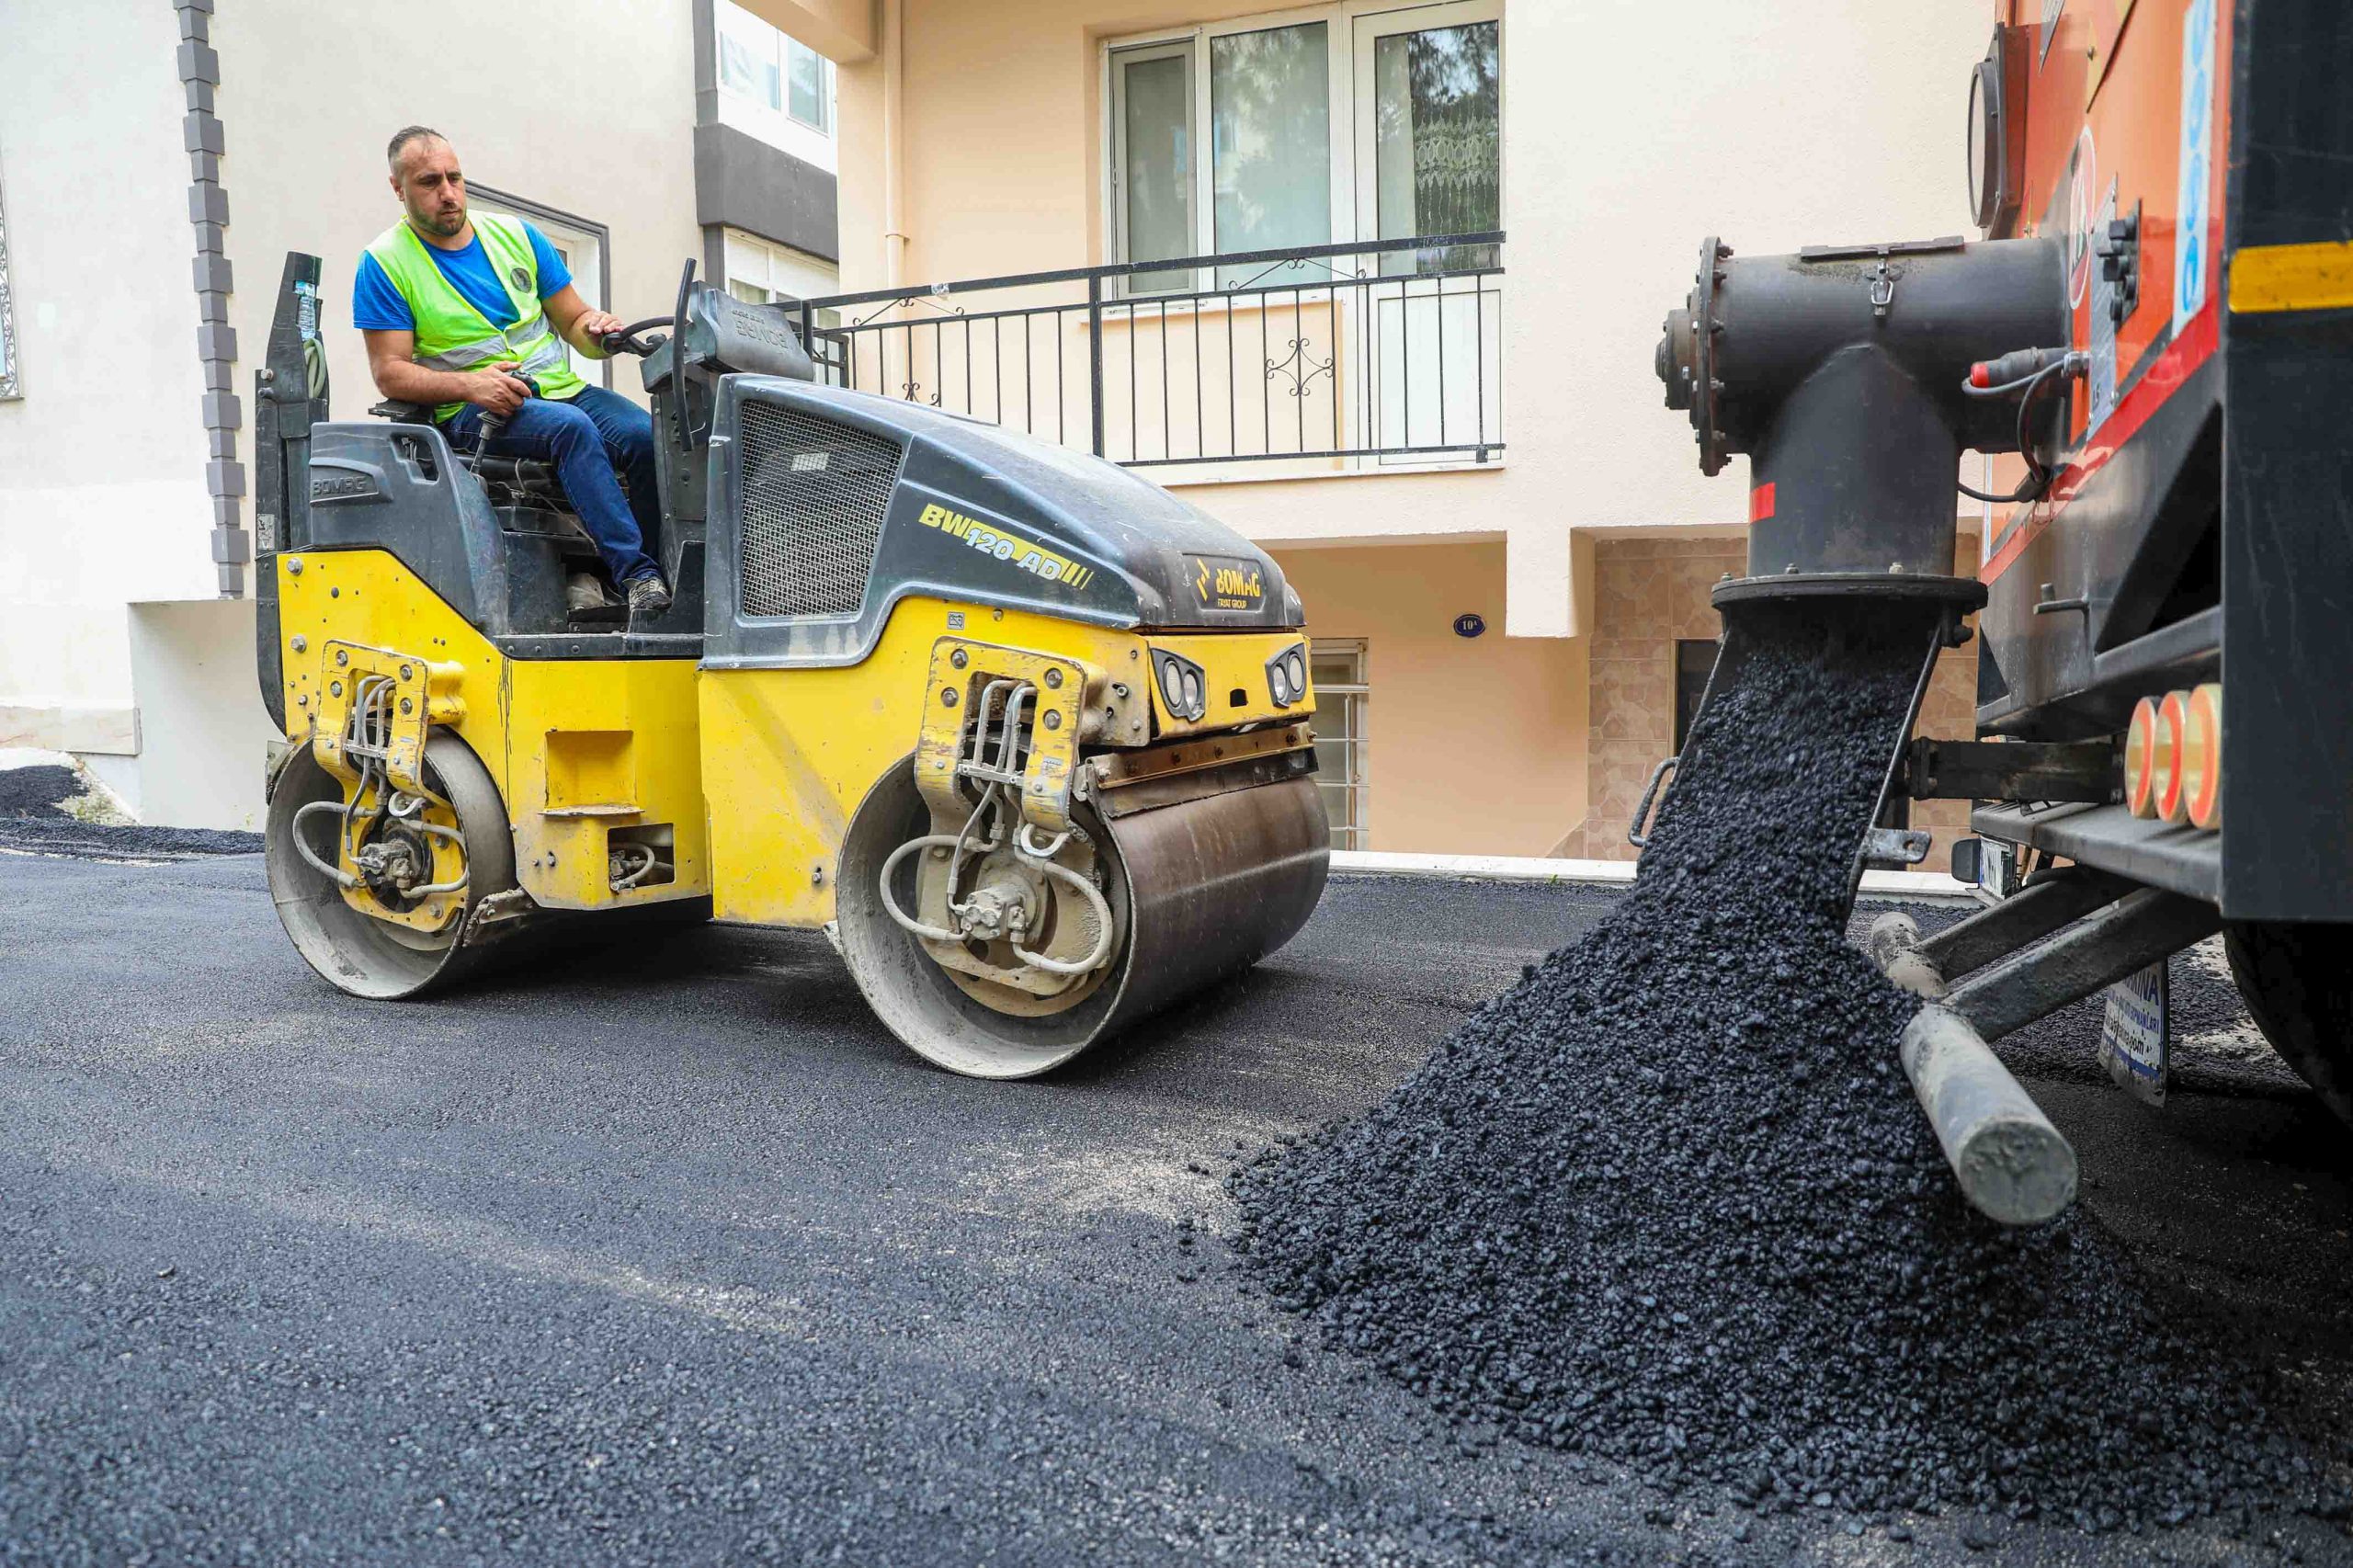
x: 2132, y: 1035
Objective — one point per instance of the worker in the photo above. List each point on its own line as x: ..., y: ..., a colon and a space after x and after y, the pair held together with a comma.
x: 450, y: 304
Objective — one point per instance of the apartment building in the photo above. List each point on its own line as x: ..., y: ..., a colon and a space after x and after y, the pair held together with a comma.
x: 1412, y: 261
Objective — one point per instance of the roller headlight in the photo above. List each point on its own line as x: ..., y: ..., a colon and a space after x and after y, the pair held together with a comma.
x: 1287, y: 675
x: 1182, y: 685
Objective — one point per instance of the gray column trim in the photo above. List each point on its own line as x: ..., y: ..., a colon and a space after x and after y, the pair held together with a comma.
x: 706, y: 29
x: 11, y: 377
x: 216, y: 341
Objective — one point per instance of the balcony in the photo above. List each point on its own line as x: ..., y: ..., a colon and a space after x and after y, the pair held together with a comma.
x: 1371, y: 357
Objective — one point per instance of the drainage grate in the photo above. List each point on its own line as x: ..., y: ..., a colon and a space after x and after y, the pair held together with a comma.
x: 813, y: 495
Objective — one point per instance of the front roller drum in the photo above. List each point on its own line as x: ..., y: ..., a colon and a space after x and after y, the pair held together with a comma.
x: 358, y: 952
x: 1196, y: 890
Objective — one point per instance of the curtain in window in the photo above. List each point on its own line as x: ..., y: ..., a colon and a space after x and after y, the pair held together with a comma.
x: 1270, y: 138
x: 1437, y: 140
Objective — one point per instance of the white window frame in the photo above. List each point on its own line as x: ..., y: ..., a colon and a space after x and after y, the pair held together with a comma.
x: 757, y: 267
x: 750, y: 111
x: 1354, y: 204
x: 590, y: 261
x: 1116, y: 96
x: 1356, y: 744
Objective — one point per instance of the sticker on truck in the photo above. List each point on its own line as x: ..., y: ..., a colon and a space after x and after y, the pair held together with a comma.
x: 2193, y: 199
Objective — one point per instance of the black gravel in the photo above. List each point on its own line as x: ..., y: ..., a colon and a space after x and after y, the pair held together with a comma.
x: 1669, y: 1203
x: 33, y: 819
x: 25, y: 791
x: 121, y: 841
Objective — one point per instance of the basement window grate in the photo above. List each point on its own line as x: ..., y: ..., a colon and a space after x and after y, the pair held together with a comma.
x: 813, y: 495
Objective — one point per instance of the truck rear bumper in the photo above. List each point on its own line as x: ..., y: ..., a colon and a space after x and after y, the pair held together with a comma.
x: 2185, y: 860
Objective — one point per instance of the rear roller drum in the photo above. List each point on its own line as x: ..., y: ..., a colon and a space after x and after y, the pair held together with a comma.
x: 458, y: 842
x: 1012, y: 953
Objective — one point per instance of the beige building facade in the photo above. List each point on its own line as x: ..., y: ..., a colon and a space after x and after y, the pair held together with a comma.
x: 1604, y: 139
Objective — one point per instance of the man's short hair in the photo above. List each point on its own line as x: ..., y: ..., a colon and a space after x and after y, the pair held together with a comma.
x: 403, y: 137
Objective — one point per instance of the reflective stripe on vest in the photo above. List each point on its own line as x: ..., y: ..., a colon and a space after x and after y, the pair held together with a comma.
x: 452, y: 333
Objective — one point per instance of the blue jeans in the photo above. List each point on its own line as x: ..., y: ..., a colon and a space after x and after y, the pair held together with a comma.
x: 586, y: 436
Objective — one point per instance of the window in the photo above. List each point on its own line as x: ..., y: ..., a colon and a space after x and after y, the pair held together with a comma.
x: 780, y: 75
x: 765, y: 274
x: 581, y: 244
x: 1342, y: 777
x: 1695, y: 660
x: 1350, y: 120
x: 1152, y: 109
x: 1435, y: 130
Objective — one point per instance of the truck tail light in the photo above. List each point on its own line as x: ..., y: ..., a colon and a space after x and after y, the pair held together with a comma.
x: 2172, y: 718
x: 2201, y: 756
x: 2140, y: 758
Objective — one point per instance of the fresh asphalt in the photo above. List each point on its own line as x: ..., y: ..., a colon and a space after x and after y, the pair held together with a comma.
x: 672, y: 1255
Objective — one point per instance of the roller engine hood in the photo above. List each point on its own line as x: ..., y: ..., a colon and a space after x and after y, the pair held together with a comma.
x: 966, y: 511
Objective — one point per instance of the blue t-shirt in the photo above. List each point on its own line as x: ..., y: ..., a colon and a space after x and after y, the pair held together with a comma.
x: 377, y: 306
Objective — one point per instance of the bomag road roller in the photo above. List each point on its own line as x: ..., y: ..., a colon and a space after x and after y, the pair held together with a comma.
x: 2153, y: 338
x: 1026, y: 735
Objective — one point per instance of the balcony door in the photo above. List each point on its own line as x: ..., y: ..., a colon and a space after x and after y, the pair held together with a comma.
x: 1430, y: 161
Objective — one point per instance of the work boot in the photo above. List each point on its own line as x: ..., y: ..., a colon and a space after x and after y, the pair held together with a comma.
x: 585, y: 591
x: 648, y: 595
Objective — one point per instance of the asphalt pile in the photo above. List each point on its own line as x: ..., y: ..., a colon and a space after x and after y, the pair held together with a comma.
x: 35, y: 817
x: 1669, y: 1203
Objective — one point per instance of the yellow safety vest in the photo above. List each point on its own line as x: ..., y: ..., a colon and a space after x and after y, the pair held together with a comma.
x: 452, y: 333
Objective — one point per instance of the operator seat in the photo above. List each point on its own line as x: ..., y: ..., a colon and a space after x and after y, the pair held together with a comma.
x: 528, y: 498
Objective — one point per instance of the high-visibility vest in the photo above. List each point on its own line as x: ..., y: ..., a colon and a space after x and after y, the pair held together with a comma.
x: 451, y: 334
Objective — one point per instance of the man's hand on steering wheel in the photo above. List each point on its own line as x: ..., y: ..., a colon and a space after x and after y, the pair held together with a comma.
x: 592, y: 325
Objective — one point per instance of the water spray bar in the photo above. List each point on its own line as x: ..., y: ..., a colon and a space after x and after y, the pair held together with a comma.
x: 2011, y: 1162
x: 2013, y: 1165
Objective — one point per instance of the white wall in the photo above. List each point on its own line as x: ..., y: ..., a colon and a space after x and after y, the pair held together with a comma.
x: 1636, y: 128
x: 204, y: 738
x: 601, y: 125
x: 102, y: 495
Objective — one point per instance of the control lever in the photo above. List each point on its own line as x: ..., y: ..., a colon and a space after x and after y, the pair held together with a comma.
x: 493, y: 425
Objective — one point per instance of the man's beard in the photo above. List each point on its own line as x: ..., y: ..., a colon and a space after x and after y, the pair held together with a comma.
x: 436, y: 222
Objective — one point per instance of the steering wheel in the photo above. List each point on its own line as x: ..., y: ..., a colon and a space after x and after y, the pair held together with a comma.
x: 627, y: 341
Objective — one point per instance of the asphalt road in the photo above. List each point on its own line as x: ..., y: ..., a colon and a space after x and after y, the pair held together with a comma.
x: 672, y: 1255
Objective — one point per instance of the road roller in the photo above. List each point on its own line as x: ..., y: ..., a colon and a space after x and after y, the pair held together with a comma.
x: 2143, y: 362
x: 1023, y: 733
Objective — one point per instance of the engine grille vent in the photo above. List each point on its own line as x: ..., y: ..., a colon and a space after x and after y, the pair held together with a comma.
x: 813, y: 492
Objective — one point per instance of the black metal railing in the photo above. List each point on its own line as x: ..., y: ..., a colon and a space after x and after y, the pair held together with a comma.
x: 1383, y: 351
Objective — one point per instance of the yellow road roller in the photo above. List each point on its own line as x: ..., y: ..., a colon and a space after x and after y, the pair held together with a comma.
x: 1025, y: 735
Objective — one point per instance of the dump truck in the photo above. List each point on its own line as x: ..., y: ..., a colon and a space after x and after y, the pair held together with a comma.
x: 2151, y: 337
x: 1023, y: 733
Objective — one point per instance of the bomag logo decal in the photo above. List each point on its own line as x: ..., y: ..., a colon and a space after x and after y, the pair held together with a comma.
x: 1221, y: 582
x: 1010, y: 548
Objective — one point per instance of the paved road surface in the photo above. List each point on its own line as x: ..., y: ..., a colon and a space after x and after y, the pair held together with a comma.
x: 673, y: 1257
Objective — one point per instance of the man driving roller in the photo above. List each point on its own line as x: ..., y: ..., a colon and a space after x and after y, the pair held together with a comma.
x: 451, y: 304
